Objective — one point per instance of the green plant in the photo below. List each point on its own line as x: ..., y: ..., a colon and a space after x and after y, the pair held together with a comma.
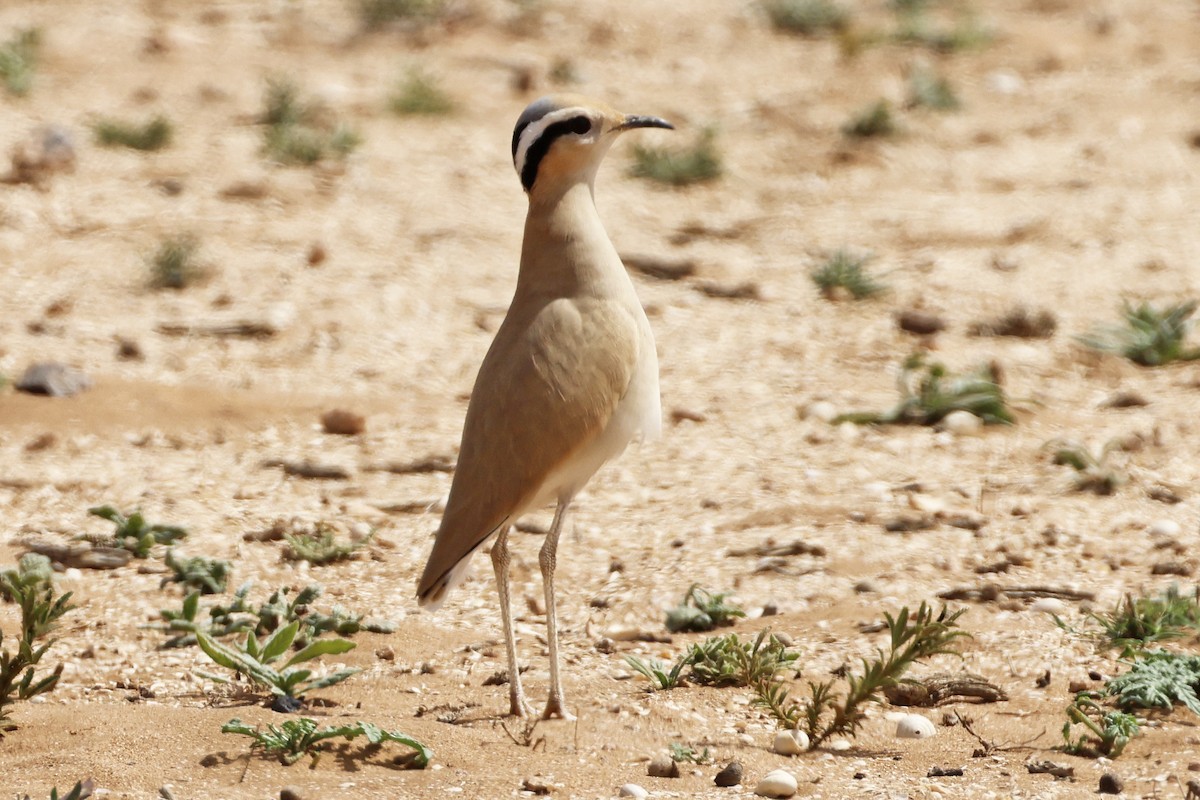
x: 681, y: 753
x: 1134, y: 623
x: 18, y: 58
x: 322, y: 545
x: 289, y: 683
x: 927, y: 89
x: 929, y: 392
x: 702, y: 610
x: 1093, y: 473
x: 420, y: 94
x: 875, y: 120
x: 174, y: 265
x: 33, y: 573
x: 40, y: 611
x: 299, y: 132
x: 207, y: 575
x: 133, y: 534
x: 1159, y: 679
x: 825, y: 713
x: 1106, y: 732
x: 729, y: 661
x: 661, y: 677
x: 679, y: 167
x: 916, y: 28
x: 1150, y: 336
x: 223, y: 620
x: 154, y: 134
x: 375, y: 14
x: 296, y: 738
x: 806, y: 17
x: 843, y: 273
x: 80, y: 791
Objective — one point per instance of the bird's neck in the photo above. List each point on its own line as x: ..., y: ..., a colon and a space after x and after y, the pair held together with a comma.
x: 566, y: 251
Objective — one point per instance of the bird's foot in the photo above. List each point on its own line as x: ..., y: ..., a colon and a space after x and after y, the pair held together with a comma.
x: 556, y: 709
x: 519, y: 707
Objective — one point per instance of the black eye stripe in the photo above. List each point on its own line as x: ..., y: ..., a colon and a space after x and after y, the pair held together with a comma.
x: 538, y: 149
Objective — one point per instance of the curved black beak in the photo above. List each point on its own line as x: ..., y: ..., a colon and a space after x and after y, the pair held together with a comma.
x: 635, y: 121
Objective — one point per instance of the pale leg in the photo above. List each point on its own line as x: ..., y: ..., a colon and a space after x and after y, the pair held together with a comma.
x: 500, y: 561
x: 547, y: 559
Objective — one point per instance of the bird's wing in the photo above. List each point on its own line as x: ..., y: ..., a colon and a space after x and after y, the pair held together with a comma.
x: 546, y: 389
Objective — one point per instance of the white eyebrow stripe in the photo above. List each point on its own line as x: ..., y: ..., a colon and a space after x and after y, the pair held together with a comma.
x: 534, y: 131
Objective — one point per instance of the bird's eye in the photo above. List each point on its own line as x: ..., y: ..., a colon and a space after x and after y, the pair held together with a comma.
x: 579, y: 125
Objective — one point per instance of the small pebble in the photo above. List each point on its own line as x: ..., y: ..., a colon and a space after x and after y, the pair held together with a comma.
x: 342, y: 422
x: 821, y: 411
x: 632, y: 790
x: 1049, y: 605
x: 290, y: 793
x: 919, y: 322
x: 790, y: 743
x: 730, y: 776
x: 1111, y: 783
x: 914, y: 726
x: 1164, y: 527
x: 962, y: 423
x: 777, y: 783
x: 53, y: 379
x: 866, y: 587
x: 663, y: 767
x: 770, y: 609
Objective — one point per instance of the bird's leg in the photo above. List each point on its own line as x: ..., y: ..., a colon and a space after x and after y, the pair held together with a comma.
x: 500, y: 561
x: 547, y: 560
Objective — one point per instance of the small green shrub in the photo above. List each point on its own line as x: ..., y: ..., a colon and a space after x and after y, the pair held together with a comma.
x: 1150, y: 337
x: 296, y: 738
x: 420, y: 94
x: 206, y: 575
x: 1159, y: 679
x: 806, y: 17
x: 929, y: 392
x: 322, y: 546
x: 18, y: 58
x: 299, y: 132
x: 843, y: 273
x: 927, y: 89
x: 40, y: 612
x: 1106, y: 733
x: 697, y: 163
x: 154, y: 134
x: 874, y: 121
x: 175, y: 265
x: 1134, y: 623
x: 1093, y: 472
x: 684, y: 754
x: 702, y: 610
x: 134, y: 534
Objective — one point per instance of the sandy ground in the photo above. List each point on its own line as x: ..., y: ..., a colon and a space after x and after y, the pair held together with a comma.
x: 1068, y: 181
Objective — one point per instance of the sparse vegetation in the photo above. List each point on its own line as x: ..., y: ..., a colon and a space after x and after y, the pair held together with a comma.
x: 661, y: 676
x: 301, y: 132
x: 702, y: 610
x: 679, y: 167
x: 720, y: 661
x: 34, y: 573
x: 18, y: 58
x: 289, y: 683
x: 825, y: 713
x: 927, y: 89
x: 154, y: 134
x: 1093, y: 473
x: 1106, y: 732
x: 40, y: 612
x: 80, y: 791
x: 419, y: 93
x: 206, y: 575
x: 806, y: 17
x: 1134, y: 623
x: 375, y: 14
x: 322, y: 546
x: 1150, y: 337
x: 1159, y: 679
x: 134, y: 534
x: 844, y: 273
x: 175, y: 265
x: 916, y: 27
x: 684, y: 754
x: 873, y: 121
x: 929, y: 392
x: 296, y: 738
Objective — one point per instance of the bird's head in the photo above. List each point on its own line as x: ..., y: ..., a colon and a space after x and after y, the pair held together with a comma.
x: 562, y: 138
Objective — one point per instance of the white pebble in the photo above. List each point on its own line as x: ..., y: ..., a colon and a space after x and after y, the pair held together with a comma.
x: 632, y: 790
x: 777, y: 783
x: 914, y: 726
x: 962, y: 423
x: 1004, y: 81
x: 849, y: 433
x: 1049, y: 605
x: 790, y: 743
x: 1164, y: 527
x: 822, y: 411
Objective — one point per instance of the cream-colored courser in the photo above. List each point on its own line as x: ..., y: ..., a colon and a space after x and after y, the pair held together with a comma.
x: 571, y: 378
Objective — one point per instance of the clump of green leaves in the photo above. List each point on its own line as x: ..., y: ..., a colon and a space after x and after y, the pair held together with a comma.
x: 915, y: 27
x: 660, y: 674
x: 927, y: 89
x: 826, y: 713
x: 702, y: 610
x: 1093, y: 472
x: 206, y: 575
x: 322, y: 546
x: 34, y: 573
x: 720, y: 661
x: 699, y: 162
x: 302, y: 132
x: 18, y: 58
x: 873, y: 121
x: 844, y: 273
x: 1159, y: 679
x: 296, y: 738
x: 929, y: 392
x: 40, y: 612
x: 175, y: 264
x: 1150, y: 336
x: 375, y: 14
x: 806, y: 17
x: 224, y: 620
x: 289, y: 682
x: 80, y: 791
x: 134, y: 534
x: 1134, y: 623
x: 1105, y: 732
x: 419, y: 93
x: 153, y: 134
x: 682, y: 753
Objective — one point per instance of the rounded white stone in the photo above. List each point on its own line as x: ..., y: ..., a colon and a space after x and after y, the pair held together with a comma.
x: 632, y: 790
x: 914, y: 726
x: 790, y: 743
x: 821, y: 410
x: 1164, y: 527
x: 962, y: 423
x: 1049, y: 605
x: 776, y: 783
